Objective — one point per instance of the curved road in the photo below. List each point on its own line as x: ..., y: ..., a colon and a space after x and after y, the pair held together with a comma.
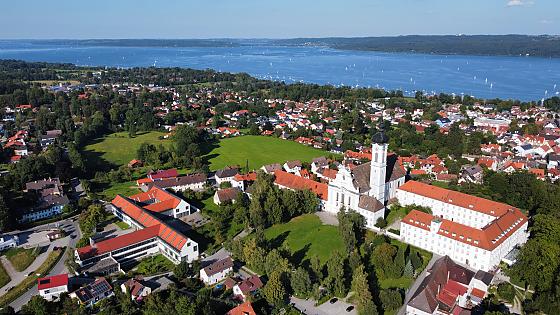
x: 60, y: 267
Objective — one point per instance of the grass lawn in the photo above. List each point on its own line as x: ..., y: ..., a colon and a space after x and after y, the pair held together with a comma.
x: 307, y: 237
x: 395, y: 213
x: 125, y: 189
x: 402, y: 282
x: 30, y: 281
x: 259, y: 150
x: 440, y: 184
x: 122, y: 225
x: 154, y: 264
x: 4, y: 277
x: 118, y: 148
x: 21, y: 258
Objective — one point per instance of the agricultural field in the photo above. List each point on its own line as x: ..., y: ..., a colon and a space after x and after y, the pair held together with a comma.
x: 258, y: 151
x: 307, y: 236
x: 118, y: 148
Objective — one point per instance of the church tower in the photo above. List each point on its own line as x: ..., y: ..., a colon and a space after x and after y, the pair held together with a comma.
x: 378, y: 165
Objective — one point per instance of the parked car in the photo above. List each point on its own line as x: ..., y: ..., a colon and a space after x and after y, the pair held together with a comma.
x: 350, y: 308
x: 333, y: 300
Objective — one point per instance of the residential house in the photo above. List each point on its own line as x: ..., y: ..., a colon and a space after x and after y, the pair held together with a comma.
x: 449, y: 288
x: 217, y: 271
x: 136, y: 288
x: 292, y: 166
x: 50, y: 288
x: 471, y: 174
x: 247, y: 287
x: 271, y: 168
x: 242, y: 309
x: 226, y: 175
x: 226, y: 195
x: 93, y: 293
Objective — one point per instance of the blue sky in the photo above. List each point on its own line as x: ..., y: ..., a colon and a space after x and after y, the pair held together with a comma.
x: 273, y: 18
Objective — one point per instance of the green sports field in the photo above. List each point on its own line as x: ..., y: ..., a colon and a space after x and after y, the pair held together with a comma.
x: 118, y: 148
x: 259, y: 151
x: 307, y: 236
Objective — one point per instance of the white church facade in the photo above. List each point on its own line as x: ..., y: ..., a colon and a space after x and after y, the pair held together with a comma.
x: 368, y: 187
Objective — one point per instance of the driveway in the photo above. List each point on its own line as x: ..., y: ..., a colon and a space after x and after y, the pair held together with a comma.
x: 327, y: 218
x: 308, y: 307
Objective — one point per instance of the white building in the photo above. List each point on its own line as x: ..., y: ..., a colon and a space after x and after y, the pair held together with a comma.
x: 50, y: 288
x: 152, y: 235
x: 471, y: 230
x: 217, y: 271
x: 367, y: 187
x: 194, y: 182
x: 8, y: 241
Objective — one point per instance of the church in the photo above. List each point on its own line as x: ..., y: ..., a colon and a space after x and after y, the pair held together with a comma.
x: 368, y: 187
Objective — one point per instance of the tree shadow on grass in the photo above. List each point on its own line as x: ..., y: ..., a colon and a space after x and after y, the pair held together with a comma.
x: 278, y: 240
x: 298, y: 257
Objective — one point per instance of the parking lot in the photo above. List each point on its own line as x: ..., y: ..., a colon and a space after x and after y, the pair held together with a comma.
x: 308, y: 307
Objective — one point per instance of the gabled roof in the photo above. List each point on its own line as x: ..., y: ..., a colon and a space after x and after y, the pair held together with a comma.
x: 292, y: 181
x: 52, y: 282
x: 162, y: 174
x: 250, y: 284
x: 242, y: 309
x: 370, y: 203
x: 218, y: 266
x: 179, y: 181
x: 463, y: 200
x: 227, y: 172
x: 157, y: 199
x: 486, y: 238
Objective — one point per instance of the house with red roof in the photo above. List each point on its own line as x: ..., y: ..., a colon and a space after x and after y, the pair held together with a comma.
x: 449, y: 288
x: 242, y: 309
x: 247, y: 287
x: 469, y: 229
x: 50, y: 288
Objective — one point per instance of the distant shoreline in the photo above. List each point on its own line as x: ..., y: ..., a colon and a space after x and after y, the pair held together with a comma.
x: 544, y: 46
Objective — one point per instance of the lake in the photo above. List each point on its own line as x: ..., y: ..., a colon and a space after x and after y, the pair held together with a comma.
x: 524, y: 78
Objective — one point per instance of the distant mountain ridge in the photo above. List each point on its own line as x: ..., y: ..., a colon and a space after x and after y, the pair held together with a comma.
x: 488, y: 45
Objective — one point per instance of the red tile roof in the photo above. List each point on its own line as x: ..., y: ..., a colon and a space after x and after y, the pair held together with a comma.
x: 250, y: 177
x: 115, y: 243
x: 161, y: 174
x: 292, y: 181
x: 159, y: 200
x: 478, y: 293
x: 486, y: 238
x: 242, y: 309
x: 463, y: 200
x: 52, y: 282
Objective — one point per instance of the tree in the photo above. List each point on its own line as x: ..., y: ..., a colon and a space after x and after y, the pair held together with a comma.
x: 274, y: 291
x: 4, y: 215
x: 301, y: 282
x: 36, y: 306
x: 506, y: 291
x: 360, y: 286
x: 382, y: 258
x: 181, y: 270
x: 390, y: 299
x: 335, y: 275
x: 316, y: 268
x: 275, y: 262
x: 415, y: 259
x: 408, y: 269
x: 351, y: 227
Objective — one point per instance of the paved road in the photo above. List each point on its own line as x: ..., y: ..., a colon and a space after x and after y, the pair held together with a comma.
x: 60, y: 267
x: 417, y: 283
